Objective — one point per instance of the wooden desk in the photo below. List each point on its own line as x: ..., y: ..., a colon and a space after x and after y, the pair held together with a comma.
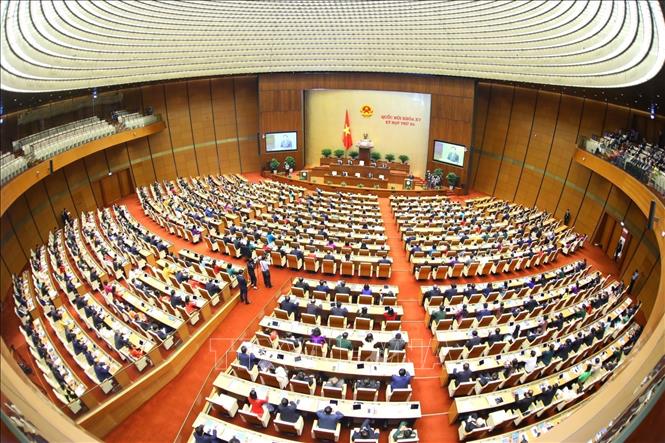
x: 391, y: 411
x: 331, y: 366
x: 355, y: 335
x: 355, y: 181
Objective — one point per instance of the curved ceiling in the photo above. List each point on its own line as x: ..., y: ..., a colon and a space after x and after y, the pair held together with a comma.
x: 53, y: 45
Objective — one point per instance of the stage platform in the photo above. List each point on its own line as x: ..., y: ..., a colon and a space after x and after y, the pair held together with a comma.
x: 393, y: 189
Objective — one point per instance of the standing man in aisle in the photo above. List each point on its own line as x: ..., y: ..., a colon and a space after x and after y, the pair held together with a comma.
x: 566, y: 217
x: 264, y: 264
x: 633, y: 279
x: 251, y: 271
x: 242, y: 285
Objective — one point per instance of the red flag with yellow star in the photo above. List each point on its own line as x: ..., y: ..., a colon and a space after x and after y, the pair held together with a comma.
x: 346, y: 135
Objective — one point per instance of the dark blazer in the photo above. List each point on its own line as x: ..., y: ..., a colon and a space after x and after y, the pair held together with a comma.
x: 247, y: 360
x: 289, y: 412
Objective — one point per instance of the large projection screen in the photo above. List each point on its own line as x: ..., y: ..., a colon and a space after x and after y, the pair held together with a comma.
x: 398, y: 124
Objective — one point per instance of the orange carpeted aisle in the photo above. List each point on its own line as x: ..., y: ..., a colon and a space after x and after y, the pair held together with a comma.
x: 161, y: 417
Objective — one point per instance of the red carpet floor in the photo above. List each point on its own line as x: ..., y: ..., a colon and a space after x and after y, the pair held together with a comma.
x: 170, y: 413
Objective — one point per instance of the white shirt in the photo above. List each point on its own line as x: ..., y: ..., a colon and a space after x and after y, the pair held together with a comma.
x: 264, y: 265
x: 531, y: 364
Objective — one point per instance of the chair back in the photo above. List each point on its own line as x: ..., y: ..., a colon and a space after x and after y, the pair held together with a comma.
x: 311, y: 264
x: 384, y: 270
x: 332, y: 392
x: 264, y: 339
x: 365, y: 394
x: 251, y: 419
x: 465, y: 388
x: 364, y: 299
x: 336, y: 321
x: 282, y: 314
x: 441, y: 272
x: 269, y: 379
x: 242, y: 372
x: 403, y: 394
x: 343, y: 298
x: 348, y: 268
x: 310, y: 319
x: 299, y: 386
x: 392, y: 325
x: 323, y: 434
x: 341, y: 353
x: 292, y: 261
x: 329, y: 267
x: 396, y: 356
x: 423, y: 273
x: 363, y: 323
x: 365, y: 270
x: 276, y: 258
x: 314, y: 349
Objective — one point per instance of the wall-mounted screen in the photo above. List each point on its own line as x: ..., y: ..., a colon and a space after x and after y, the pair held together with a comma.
x: 450, y: 153
x: 281, y: 141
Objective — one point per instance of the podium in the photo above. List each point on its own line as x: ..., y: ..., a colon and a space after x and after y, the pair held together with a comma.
x: 364, y: 150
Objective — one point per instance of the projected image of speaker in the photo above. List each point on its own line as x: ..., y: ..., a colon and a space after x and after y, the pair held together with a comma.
x: 449, y: 153
x: 304, y: 175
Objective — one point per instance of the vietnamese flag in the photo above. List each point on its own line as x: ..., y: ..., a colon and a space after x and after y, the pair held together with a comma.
x: 346, y: 135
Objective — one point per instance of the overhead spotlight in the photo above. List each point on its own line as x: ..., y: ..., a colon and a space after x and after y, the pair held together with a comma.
x: 94, y: 93
x: 2, y: 111
x: 622, y: 224
x: 652, y: 111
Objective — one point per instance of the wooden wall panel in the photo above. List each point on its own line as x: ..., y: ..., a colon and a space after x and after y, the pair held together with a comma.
x: 649, y: 288
x: 247, y: 115
x: 24, y: 226
x: 224, y: 124
x: 560, y: 157
x: 617, y: 203
x: 517, y: 139
x: 160, y: 143
x: 10, y: 248
x: 5, y: 280
x: 203, y: 131
x: 479, y: 121
x: 140, y: 159
x: 636, y: 223
x: 117, y: 158
x: 58, y: 192
x: 538, y: 150
x: 592, y: 205
x: 180, y: 129
x: 496, y: 128
x: 79, y: 187
x: 41, y: 209
x: 97, y: 168
x: 616, y: 118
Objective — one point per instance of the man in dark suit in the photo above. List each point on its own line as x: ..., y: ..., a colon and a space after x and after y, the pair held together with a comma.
x: 242, y: 285
x: 484, y: 312
x: 328, y: 420
x: 464, y: 375
x: 524, y: 403
x: 494, y: 337
x: 396, y: 343
x: 245, y: 359
x: 341, y: 288
x: 322, y: 287
x: 289, y: 306
x: 202, y: 437
x: 302, y: 284
x: 473, y: 341
x: 401, y: 380
x: 212, y: 287
x: 313, y: 308
x: 102, y: 371
x: 339, y: 310
x: 288, y: 411
x: 530, y: 304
